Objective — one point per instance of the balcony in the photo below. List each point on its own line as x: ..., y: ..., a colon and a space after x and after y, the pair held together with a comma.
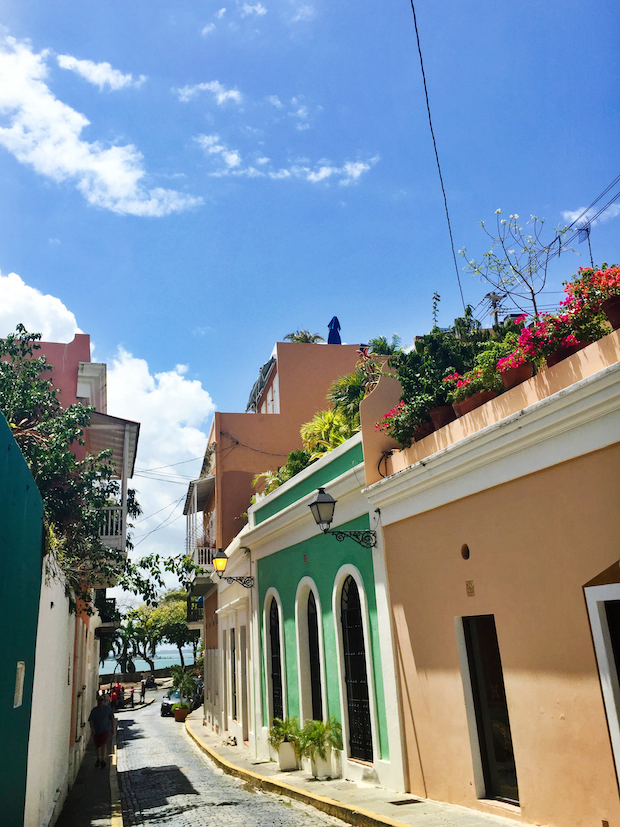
x: 195, y: 612
x: 111, y: 532
x: 110, y: 618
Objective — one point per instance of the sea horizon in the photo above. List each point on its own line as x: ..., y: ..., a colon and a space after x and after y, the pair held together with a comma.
x: 164, y: 656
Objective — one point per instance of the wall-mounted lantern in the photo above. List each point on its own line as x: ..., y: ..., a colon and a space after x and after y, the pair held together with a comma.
x: 322, y: 507
x: 219, y: 566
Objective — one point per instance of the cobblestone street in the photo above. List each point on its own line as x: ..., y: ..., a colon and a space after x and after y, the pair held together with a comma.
x: 164, y: 779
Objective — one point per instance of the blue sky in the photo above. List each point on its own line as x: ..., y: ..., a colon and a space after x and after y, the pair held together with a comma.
x: 190, y: 181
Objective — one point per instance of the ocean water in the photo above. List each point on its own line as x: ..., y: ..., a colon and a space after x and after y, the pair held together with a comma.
x: 164, y: 656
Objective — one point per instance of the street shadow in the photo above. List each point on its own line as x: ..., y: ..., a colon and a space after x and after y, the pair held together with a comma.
x: 128, y: 730
x: 157, y: 785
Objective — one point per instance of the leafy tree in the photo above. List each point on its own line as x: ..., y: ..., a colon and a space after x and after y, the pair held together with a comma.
x: 304, y: 336
x: 73, y: 491
x: 171, y: 618
x: 147, y: 633
x: 516, y: 265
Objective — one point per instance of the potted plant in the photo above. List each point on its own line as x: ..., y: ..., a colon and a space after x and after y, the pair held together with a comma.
x: 317, y: 740
x: 284, y: 739
x: 186, y: 685
x: 597, y: 290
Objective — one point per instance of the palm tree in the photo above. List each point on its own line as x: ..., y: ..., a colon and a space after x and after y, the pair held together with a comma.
x: 304, y: 337
x: 326, y: 431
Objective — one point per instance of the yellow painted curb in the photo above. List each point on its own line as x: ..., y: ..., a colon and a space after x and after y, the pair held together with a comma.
x: 116, y: 811
x: 352, y: 815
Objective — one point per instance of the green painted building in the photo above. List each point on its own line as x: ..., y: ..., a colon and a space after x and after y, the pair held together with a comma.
x: 318, y: 612
x: 20, y: 586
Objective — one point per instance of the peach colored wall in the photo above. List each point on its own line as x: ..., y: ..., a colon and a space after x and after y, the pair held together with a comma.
x: 65, y: 359
x: 305, y: 373
x: 534, y: 543
x: 383, y: 398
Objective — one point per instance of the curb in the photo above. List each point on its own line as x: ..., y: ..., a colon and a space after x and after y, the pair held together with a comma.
x: 116, y: 810
x: 351, y: 815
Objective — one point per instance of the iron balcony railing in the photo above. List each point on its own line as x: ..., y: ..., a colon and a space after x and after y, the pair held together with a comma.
x: 194, y: 609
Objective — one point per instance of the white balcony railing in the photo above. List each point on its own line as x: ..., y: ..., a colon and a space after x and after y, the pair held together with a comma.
x: 112, y: 522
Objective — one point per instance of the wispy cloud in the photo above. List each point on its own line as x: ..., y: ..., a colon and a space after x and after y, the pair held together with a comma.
x: 303, y: 13
x: 44, y: 133
x: 258, y: 9
x: 231, y: 162
x: 275, y: 101
x: 211, y: 144
x: 210, y: 27
x: 221, y: 94
x: 221, y: 13
x: 99, y: 74
x: 572, y: 215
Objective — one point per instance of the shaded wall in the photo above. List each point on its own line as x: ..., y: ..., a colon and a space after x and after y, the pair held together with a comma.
x: 20, y: 585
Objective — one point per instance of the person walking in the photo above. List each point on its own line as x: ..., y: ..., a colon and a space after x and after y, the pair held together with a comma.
x: 142, y: 691
x: 102, y: 723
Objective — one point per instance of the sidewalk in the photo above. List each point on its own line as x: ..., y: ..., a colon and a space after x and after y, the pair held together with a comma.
x: 94, y: 799
x: 362, y: 805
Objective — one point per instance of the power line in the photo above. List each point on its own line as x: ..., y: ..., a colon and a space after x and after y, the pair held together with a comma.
x: 249, y: 447
x: 430, y: 123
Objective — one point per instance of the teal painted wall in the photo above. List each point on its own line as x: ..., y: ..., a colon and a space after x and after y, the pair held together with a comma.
x: 325, y: 472
x: 20, y: 586
x: 283, y: 571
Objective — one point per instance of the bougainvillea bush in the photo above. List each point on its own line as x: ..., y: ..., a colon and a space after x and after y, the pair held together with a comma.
x: 590, y: 287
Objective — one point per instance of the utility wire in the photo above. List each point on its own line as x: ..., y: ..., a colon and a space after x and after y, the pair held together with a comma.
x: 430, y: 123
x: 250, y: 447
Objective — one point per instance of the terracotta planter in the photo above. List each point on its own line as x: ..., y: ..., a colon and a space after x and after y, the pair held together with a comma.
x: 442, y: 415
x: 472, y: 402
x: 611, y: 308
x: 563, y: 353
x: 424, y: 430
x: 180, y: 715
x: 515, y: 376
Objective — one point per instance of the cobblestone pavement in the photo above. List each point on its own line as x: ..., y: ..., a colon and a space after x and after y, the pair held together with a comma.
x: 165, y: 780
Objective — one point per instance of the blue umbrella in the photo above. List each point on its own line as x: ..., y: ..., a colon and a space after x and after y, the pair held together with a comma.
x: 334, y: 335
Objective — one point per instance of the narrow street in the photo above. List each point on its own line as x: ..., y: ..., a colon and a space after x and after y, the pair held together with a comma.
x: 165, y: 779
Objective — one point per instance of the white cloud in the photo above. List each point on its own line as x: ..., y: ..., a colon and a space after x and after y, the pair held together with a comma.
x: 173, y: 412
x: 572, y: 215
x: 220, y: 92
x: 210, y: 27
x: 303, y: 13
x: 258, y: 9
x: 38, y: 312
x: 275, y: 100
x: 44, y: 133
x: 348, y: 173
x: 220, y: 13
x: 99, y: 74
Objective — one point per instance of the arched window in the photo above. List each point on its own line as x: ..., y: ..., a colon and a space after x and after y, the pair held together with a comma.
x: 355, y: 675
x: 276, y: 660
x: 315, y: 659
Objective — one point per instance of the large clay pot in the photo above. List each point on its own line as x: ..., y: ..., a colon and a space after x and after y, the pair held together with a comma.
x: 442, y: 415
x: 611, y: 308
x: 564, y: 352
x: 515, y: 376
x: 423, y: 430
x: 180, y: 714
x: 472, y: 402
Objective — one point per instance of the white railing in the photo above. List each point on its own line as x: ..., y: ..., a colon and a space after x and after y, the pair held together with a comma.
x: 203, y: 556
x: 112, y: 521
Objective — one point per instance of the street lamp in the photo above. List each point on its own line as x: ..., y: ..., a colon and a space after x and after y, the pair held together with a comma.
x: 322, y: 507
x: 219, y: 566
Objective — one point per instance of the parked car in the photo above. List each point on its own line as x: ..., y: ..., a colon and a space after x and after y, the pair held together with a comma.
x: 172, y: 696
